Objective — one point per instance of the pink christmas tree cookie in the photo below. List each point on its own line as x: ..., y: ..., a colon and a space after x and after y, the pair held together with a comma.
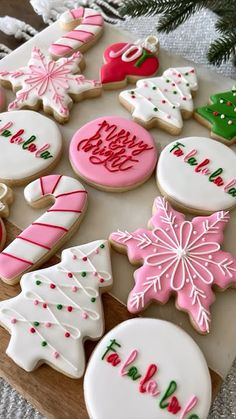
x: 50, y: 83
x: 58, y: 308
x: 178, y: 257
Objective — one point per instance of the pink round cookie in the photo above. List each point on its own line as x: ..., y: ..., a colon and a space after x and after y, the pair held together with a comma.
x: 113, y: 153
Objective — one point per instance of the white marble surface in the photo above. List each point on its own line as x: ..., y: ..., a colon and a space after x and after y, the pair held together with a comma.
x: 108, y: 211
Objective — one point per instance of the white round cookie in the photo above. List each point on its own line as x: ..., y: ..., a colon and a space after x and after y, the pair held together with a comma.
x: 198, y: 174
x: 30, y: 145
x: 112, y: 394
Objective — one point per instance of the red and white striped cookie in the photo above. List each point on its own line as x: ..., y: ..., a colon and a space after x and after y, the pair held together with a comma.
x: 38, y: 242
x: 85, y: 27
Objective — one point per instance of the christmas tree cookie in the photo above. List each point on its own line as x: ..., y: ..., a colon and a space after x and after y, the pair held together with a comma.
x: 58, y: 308
x: 220, y: 116
x: 164, y: 101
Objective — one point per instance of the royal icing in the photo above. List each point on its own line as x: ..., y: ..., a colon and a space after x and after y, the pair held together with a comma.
x: 87, y: 24
x: 129, y: 60
x: 162, y: 98
x: 6, y: 198
x: 2, y: 99
x: 29, y: 144
x: 113, y: 152
x: 49, y: 82
x: 147, y: 368
x: 45, y: 235
x: 58, y: 308
x: 195, y: 168
x: 221, y: 114
x: 179, y: 257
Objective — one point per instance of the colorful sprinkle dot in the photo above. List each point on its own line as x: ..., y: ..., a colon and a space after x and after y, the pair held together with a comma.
x: 133, y: 97
x: 84, y: 315
x: 38, y: 282
x: 13, y: 321
x: 93, y: 299
x: 95, y: 273
x: 187, y: 84
x: 85, y: 258
x: 132, y: 92
x: 36, y: 323
x: 221, y: 101
x: 32, y: 330
x: 234, y: 109
x: 163, y: 101
x: 101, y: 280
x: 155, y: 109
x: 36, y: 302
x: 56, y: 354
x: 44, y: 343
x: 102, y: 246
x: 228, y: 103
x: 222, y: 116
x: 70, y: 275
x: 230, y: 122
x: 69, y: 308
x: 215, y: 113
x: 154, y: 88
x: 48, y: 324
x: 74, y: 257
x: 67, y: 334
x: 45, y: 305
x: 174, y: 92
x: 83, y: 274
x: 184, y: 98
x: 52, y: 286
x: 186, y: 74
x: 74, y: 289
x: 59, y: 306
x: 167, y: 81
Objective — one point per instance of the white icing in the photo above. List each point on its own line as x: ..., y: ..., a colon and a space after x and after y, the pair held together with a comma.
x: 108, y: 394
x: 25, y: 347
x: 157, y: 93
x: 180, y: 182
x: 18, y: 164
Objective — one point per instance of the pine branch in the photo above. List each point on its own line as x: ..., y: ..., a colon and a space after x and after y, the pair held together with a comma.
x: 136, y: 8
x: 226, y: 23
x: 171, y: 20
x: 221, y: 49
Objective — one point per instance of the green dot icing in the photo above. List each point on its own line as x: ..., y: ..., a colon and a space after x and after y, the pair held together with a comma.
x: 132, y: 92
x: 44, y: 343
x: 154, y: 88
x: 221, y: 126
x: 155, y: 109
x: 174, y: 92
x: 59, y: 306
x: 36, y: 323
x: 186, y: 74
x: 38, y: 282
x: 93, y: 299
x: 167, y: 81
x: 102, y: 246
x: 83, y: 274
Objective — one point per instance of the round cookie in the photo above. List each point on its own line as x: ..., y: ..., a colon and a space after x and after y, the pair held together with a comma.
x: 147, y: 365
x: 198, y: 175
x: 30, y: 145
x: 113, y: 153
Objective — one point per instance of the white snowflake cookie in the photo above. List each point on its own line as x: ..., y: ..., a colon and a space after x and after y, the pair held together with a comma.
x: 52, y: 84
x: 58, y: 308
x: 147, y: 368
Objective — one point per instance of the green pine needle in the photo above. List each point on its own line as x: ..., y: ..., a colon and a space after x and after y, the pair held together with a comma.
x: 136, y: 8
x: 227, y: 22
x: 171, y: 20
x: 221, y: 49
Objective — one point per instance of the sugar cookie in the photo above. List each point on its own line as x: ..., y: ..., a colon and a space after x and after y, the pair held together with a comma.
x: 178, y: 257
x: 85, y: 27
x: 198, y: 175
x: 147, y: 368
x: 113, y: 153
x: 50, y: 84
x: 58, y: 308
x: 128, y: 62
x: 219, y: 116
x: 38, y: 242
x: 30, y: 145
x: 163, y: 101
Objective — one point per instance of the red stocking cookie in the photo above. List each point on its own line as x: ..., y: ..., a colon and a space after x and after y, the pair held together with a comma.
x: 129, y: 62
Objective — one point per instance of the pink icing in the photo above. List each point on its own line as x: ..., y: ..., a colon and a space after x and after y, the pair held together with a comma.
x: 179, y: 257
x: 82, y: 19
x: 45, y: 233
x: 113, y: 152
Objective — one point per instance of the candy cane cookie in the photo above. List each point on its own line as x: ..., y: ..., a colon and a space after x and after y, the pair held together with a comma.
x: 38, y: 242
x: 85, y: 27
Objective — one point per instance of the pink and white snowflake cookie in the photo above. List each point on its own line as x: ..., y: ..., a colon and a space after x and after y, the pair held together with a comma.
x: 147, y: 368
x: 178, y: 257
x: 113, y: 153
x: 198, y: 175
x: 54, y: 85
x: 58, y: 309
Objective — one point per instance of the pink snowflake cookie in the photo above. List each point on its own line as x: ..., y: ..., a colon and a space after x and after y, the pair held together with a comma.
x: 50, y: 83
x: 178, y: 257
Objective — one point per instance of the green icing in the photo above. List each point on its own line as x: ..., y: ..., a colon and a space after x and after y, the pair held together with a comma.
x: 220, y: 126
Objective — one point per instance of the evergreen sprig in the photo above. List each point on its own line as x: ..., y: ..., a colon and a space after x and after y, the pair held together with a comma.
x: 175, y: 12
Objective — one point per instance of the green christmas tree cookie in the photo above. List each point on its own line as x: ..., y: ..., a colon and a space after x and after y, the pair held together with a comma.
x: 220, y: 116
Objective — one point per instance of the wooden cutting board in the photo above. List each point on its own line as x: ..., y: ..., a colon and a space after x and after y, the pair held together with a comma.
x: 53, y: 394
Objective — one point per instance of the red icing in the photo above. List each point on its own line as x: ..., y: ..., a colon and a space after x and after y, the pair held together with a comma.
x: 115, y: 69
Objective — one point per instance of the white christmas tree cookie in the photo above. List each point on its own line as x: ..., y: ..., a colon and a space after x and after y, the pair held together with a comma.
x: 162, y: 101
x: 58, y: 308
x: 147, y: 368
x: 54, y: 85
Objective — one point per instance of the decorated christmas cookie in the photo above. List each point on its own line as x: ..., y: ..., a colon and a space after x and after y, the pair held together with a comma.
x: 30, y: 145
x: 58, y: 308
x: 220, y: 116
x: 6, y: 198
x: 163, y: 101
x: 38, y: 242
x: 113, y: 153
x: 129, y: 62
x: 85, y: 26
x: 147, y: 368
x: 178, y: 257
x: 198, y: 175
x: 51, y: 84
